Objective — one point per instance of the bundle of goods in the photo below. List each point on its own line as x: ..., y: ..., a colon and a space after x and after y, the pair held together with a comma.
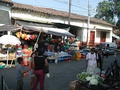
x: 2, y: 65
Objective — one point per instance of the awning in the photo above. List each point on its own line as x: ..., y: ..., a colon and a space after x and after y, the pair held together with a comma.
x: 4, y: 27
x: 115, y: 36
x: 53, y: 31
x: 22, y: 23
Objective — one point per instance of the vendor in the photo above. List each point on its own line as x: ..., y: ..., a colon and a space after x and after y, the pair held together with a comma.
x: 57, y: 47
x: 46, y: 44
x: 91, y: 62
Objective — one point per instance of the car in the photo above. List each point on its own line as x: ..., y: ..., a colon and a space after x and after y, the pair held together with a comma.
x: 85, y: 51
x: 107, y: 50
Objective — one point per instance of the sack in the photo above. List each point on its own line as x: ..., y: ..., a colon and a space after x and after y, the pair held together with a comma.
x: 46, y: 69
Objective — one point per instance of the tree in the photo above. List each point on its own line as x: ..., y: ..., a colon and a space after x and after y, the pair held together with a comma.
x: 109, y: 10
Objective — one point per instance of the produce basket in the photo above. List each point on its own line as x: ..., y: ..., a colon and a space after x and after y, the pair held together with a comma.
x: 82, y: 77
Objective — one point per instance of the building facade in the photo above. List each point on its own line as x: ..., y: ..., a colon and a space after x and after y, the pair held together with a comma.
x: 99, y: 31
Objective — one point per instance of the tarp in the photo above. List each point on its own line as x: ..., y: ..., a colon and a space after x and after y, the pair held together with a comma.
x: 53, y: 31
x: 47, y: 28
x: 4, y: 27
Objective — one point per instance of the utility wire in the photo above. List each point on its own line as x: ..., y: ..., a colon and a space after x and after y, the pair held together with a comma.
x: 68, y: 3
x: 63, y: 9
x: 75, y: 6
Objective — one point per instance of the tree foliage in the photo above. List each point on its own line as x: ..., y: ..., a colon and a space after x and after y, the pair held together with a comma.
x: 109, y: 10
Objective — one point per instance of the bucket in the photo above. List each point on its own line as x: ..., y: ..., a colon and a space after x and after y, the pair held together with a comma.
x: 20, y: 47
x: 19, y: 53
x: 78, y: 55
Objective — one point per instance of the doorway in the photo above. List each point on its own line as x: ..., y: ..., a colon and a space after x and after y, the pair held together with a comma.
x: 102, y: 36
x: 92, y: 37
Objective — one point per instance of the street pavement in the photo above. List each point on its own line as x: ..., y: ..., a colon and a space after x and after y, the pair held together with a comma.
x: 61, y: 74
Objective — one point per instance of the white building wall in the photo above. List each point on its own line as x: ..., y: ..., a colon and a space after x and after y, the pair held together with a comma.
x: 97, y: 39
x: 58, y: 19
x: 109, y: 37
x: 84, y: 35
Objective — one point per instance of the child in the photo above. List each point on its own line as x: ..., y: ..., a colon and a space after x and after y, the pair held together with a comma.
x: 20, y: 73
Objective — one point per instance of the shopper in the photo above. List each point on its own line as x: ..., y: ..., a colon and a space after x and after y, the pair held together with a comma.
x: 100, y: 59
x: 39, y: 61
x: 91, y: 62
x: 107, y: 50
x: 20, y: 73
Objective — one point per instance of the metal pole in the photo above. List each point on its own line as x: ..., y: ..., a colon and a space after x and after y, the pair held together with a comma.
x: 69, y: 12
x: 88, y: 22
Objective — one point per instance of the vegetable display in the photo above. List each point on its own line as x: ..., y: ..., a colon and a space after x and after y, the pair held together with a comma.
x: 92, y: 79
x: 82, y: 76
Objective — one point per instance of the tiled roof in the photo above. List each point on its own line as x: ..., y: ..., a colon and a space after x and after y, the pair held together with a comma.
x: 56, y: 13
x: 48, y: 11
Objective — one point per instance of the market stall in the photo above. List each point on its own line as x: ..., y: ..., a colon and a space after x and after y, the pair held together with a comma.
x: 31, y: 36
x: 10, y: 41
x: 7, y: 43
x: 52, y: 43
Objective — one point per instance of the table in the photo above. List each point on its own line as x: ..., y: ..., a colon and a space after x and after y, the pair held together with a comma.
x: 51, y: 59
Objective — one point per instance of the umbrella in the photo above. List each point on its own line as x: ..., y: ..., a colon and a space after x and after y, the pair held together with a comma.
x: 9, y: 39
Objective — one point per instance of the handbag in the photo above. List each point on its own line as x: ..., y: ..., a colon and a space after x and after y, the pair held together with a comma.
x: 46, y: 69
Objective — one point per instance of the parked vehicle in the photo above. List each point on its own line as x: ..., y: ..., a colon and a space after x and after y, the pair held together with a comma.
x: 85, y: 51
x: 107, y: 47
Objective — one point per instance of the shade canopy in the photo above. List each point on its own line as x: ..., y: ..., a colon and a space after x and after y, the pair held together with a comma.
x: 4, y: 27
x: 48, y: 30
x: 53, y: 31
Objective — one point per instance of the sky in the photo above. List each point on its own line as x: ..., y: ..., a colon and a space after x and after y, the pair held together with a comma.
x: 79, y: 7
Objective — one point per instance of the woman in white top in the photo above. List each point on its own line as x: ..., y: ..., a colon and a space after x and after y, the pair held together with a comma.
x: 91, y: 61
